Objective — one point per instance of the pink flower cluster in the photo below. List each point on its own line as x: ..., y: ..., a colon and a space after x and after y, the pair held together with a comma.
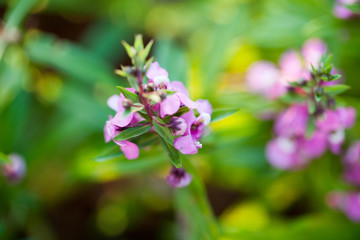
x: 187, y: 128
x: 266, y: 78
x: 346, y: 202
x: 294, y: 146
x: 351, y: 163
x: 292, y: 149
x: 343, y: 12
x: 162, y: 101
x: 349, y: 202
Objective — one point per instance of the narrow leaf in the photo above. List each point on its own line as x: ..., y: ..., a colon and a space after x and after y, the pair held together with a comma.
x: 129, y: 95
x: 164, y: 132
x: 336, y: 89
x: 222, y: 113
x: 335, y: 77
x: 109, y: 154
x: 4, y: 158
x: 132, y: 132
x: 129, y: 49
x: 310, y: 127
x: 173, y: 154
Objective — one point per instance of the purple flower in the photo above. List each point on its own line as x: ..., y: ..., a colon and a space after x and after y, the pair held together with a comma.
x: 14, y: 171
x: 171, y: 104
x: 293, y: 121
x: 334, y: 123
x: 291, y: 66
x: 348, y: 203
x: 157, y: 75
x: 341, y: 11
x: 263, y: 77
x: 351, y: 163
x: 178, y: 178
x: 189, y: 143
x: 295, y: 153
x: 130, y: 150
x: 115, y: 125
x: 178, y: 126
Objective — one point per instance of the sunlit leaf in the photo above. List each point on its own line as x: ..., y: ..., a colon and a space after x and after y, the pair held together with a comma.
x: 222, y: 113
x: 132, y: 132
x: 164, y: 132
x: 173, y: 154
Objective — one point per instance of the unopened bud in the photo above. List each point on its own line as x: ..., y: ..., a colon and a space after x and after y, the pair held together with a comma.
x: 178, y: 126
x: 319, y: 111
x: 331, y: 103
x: 15, y: 170
x: 162, y: 95
x: 127, y: 103
x: 319, y: 91
x: 150, y: 87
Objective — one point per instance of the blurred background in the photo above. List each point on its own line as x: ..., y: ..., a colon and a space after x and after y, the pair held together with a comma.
x: 57, y: 71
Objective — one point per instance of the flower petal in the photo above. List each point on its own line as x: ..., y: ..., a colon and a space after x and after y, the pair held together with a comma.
x: 113, y: 102
x: 170, y: 105
x: 185, y: 144
x: 131, y: 150
x: 121, y: 121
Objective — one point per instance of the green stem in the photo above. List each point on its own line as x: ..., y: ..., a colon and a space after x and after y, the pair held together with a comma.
x: 192, y: 204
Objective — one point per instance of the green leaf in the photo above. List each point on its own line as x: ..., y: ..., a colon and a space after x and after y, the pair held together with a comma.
x: 18, y: 12
x: 145, y: 52
x: 180, y: 112
x: 138, y: 43
x: 132, y: 132
x: 222, y: 113
x: 314, y: 70
x: 4, y: 158
x: 336, y: 89
x: 327, y: 63
x: 129, y: 95
x: 354, y: 7
x: 335, y: 77
x: 133, y: 82
x: 310, y: 127
x: 319, y: 92
x: 109, y: 154
x: 66, y: 57
x: 173, y: 154
x: 164, y: 132
x: 129, y: 49
x: 311, y: 107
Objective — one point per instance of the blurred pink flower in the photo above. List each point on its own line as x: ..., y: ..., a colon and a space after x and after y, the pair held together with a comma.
x: 264, y: 78
x: 341, y: 11
x: 178, y: 178
x: 15, y: 171
x: 348, y: 203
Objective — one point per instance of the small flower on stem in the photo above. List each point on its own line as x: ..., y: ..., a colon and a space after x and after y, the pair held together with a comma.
x: 178, y: 178
x: 15, y: 171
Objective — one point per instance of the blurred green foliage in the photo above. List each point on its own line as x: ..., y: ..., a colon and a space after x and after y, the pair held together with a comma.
x: 57, y: 70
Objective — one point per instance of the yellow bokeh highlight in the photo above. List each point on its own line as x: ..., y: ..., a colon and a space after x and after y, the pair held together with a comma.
x: 248, y: 216
x: 112, y: 219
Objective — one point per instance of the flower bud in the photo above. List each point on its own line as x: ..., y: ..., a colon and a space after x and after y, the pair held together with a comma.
x: 178, y: 126
x: 319, y: 91
x: 162, y: 95
x: 127, y: 103
x: 178, y: 178
x: 150, y: 87
x: 15, y: 170
x: 331, y: 103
